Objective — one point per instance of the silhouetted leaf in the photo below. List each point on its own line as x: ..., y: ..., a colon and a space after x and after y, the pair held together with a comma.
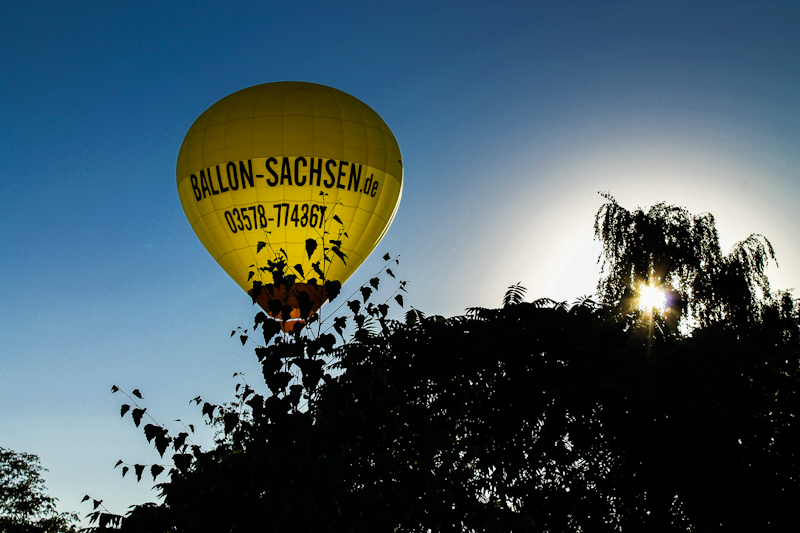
x: 328, y: 341
x: 319, y: 272
x: 270, y: 328
x: 137, y: 415
x: 514, y: 295
x: 230, y: 420
x: 275, y: 307
x: 208, y: 410
x: 243, y: 339
x: 304, y: 303
x: 250, y: 275
x: 339, y: 253
x: 359, y: 319
x: 125, y: 470
x: 256, y: 292
x: 383, y: 308
x: 260, y: 246
x: 332, y: 289
x: 337, y: 219
x: 389, y: 271
x: 180, y: 440
x: 137, y: 393
x: 374, y: 282
x: 339, y: 324
x: 386, y: 257
x: 162, y: 442
x: 312, y: 371
x: 118, y: 463
x: 182, y: 461
x: 365, y: 293
x: 277, y: 381
x: 399, y: 299
x: 414, y: 316
x: 108, y: 519
x: 354, y: 306
x: 124, y: 409
x: 299, y: 269
x: 150, y: 431
x: 155, y: 470
x: 139, y: 469
x: 311, y: 246
x: 114, y: 389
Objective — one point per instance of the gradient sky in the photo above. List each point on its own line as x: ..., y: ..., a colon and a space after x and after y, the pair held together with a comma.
x: 511, y: 116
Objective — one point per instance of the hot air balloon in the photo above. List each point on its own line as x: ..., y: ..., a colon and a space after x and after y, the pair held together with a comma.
x: 289, y: 186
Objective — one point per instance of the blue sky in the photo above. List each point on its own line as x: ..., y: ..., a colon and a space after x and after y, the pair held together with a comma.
x: 510, y: 117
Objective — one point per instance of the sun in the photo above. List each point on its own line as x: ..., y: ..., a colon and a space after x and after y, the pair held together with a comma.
x: 652, y: 298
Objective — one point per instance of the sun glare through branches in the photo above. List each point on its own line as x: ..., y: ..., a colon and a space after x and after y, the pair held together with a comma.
x: 652, y: 298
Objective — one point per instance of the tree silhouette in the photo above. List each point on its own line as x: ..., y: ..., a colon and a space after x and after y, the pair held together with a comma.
x: 535, y: 416
x: 24, y: 505
x: 668, y: 247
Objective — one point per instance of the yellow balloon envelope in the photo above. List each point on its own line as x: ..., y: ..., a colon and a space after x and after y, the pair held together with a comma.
x: 294, y: 172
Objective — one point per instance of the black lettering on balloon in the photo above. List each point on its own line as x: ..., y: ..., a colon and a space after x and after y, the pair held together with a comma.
x: 317, y: 171
x: 204, y: 184
x: 352, y: 184
x: 210, y: 181
x: 247, y: 174
x: 195, y: 188
x: 304, y: 218
x: 262, y: 216
x: 342, y: 173
x: 222, y: 188
x: 229, y: 219
x: 273, y: 181
x: 298, y: 179
x: 367, y: 184
x: 231, y: 169
x: 374, y: 188
x: 286, y: 171
x: 328, y: 164
x: 240, y: 225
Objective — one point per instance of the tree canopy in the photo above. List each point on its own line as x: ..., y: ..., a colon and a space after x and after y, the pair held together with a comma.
x: 535, y: 416
x: 25, y: 506
x: 667, y: 247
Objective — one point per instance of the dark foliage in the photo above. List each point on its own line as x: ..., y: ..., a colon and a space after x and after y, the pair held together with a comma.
x: 530, y: 417
x: 667, y: 247
x: 25, y: 506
